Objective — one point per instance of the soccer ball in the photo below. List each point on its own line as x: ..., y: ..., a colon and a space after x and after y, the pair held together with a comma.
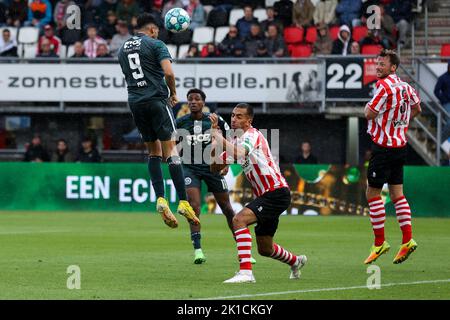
x: 177, y: 20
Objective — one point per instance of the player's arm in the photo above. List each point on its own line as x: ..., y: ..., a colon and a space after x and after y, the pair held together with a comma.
x: 169, y: 75
x: 415, y: 110
x: 374, y: 106
x: 369, y: 113
x: 238, y: 152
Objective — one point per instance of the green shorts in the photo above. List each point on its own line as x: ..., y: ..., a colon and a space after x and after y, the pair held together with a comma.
x: 193, y: 179
x: 154, y: 120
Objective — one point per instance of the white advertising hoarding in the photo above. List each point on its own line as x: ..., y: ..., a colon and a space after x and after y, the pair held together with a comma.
x: 105, y: 83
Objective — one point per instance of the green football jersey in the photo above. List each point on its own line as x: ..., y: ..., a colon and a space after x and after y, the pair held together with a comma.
x: 140, y: 59
x: 195, y: 138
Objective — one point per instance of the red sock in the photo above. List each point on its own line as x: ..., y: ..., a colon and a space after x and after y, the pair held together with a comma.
x: 283, y: 255
x: 244, y: 247
x: 377, y: 218
x: 403, y: 212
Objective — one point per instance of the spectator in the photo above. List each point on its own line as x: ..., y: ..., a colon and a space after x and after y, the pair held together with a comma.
x: 228, y: 44
x: 251, y: 41
x: 88, y: 153
x: 341, y: 44
x: 275, y: 43
x: 119, y: 39
x: 210, y: 51
x: 244, y: 24
x: 239, y: 50
x: 305, y: 156
x: 78, y: 50
x: 105, y: 7
x: 127, y: 9
x: 45, y: 50
x: 39, y: 13
x: 270, y: 20
x: 17, y: 13
x: 103, y: 51
x: 60, y: 14
x: 303, y: 13
x: 348, y: 12
x: 388, y: 29
x: 170, y: 5
x: 36, y: 151
x: 108, y: 30
x: 323, y: 44
x: 400, y: 11
x: 197, y: 14
x: 373, y: 37
x: 325, y: 12
x: 3, y: 12
x: 261, y: 50
x: 92, y: 42
x: 8, y: 46
x: 62, y: 153
x: 442, y: 92
x: 55, y: 42
x: 355, y: 48
x: 283, y: 11
x: 192, y: 51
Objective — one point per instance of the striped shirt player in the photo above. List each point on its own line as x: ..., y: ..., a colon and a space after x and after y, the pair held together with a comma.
x: 251, y: 150
x: 389, y: 113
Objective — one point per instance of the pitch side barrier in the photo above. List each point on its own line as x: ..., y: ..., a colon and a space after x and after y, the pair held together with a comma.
x: 288, y: 82
x: 316, y: 189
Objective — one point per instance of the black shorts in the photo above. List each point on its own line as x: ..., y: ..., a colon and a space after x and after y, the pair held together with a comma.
x: 386, y: 166
x: 154, y: 120
x: 268, y: 208
x: 193, y: 179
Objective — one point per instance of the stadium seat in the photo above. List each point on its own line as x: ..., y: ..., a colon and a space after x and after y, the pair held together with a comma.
x: 70, y: 51
x: 181, y: 37
x: 182, y: 50
x: 260, y: 14
x: 62, y: 51
x: 445, y: 50
x: 311, y: 35
x: 203, y: 35
x: 13, y: 31
x: 28, y: 35
x: 27, y: 51
x: 334, y: 30
x: 172, y: 50
x: 270, y: 3
x: 235, y: 15
x: 359, y: 32
x: 371, y: 49
x: 221, y: 33
x: 293, y: 35
x: 300, y: 50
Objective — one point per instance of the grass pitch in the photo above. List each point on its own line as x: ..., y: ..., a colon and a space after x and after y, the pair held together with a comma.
x: 135, y: 256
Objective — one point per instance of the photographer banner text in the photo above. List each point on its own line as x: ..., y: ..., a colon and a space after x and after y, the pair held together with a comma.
x: 316, y: 189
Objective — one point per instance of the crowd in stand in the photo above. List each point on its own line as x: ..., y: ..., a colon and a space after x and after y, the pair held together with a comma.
x: 108, y: 23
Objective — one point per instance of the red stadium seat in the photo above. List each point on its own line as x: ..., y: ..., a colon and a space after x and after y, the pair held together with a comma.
x: 300, y: 50
x: 311, y: 35
x: 359, y: 32
x: 445, y: 50
x: 293, y: 35
x: 334, y: 32
x: 371, y: 49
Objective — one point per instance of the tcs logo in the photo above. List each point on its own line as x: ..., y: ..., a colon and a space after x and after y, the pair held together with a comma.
x: 193, y: 139
x: 132, y: 43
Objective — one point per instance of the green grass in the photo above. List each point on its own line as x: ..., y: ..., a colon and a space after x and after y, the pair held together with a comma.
x: 135, y: 256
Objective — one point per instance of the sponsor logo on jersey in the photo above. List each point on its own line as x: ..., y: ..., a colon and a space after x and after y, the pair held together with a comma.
x: 187, y: 181
x: 193, y: 139
x: 400, y: 123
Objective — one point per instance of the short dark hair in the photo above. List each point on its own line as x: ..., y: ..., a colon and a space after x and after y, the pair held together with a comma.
x: 6, y: 30
x: 200, y: 92
x: 62, y: 140
x: 145, y: 19
x: 247, y: 107
x: 393, y: 57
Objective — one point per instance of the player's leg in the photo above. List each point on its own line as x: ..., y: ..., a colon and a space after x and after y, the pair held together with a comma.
x: 267, y: 248
x: 194, y: 195
x: 164, y: 126
x: 241, y: 221
x: 402, y: 209
x: 376, y: 177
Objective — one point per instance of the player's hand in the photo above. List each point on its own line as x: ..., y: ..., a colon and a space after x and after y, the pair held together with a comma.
x: 214, y: 121
x: 224, y: 171
x: 173, y: 100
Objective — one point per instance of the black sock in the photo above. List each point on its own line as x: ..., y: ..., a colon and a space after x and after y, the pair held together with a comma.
x: 156, y: 175
x: 177, y: 174
x: 195, y: 237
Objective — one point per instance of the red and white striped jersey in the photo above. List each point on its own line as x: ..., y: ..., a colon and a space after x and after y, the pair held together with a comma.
x: 392, y: 101
x: 259, y: 166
